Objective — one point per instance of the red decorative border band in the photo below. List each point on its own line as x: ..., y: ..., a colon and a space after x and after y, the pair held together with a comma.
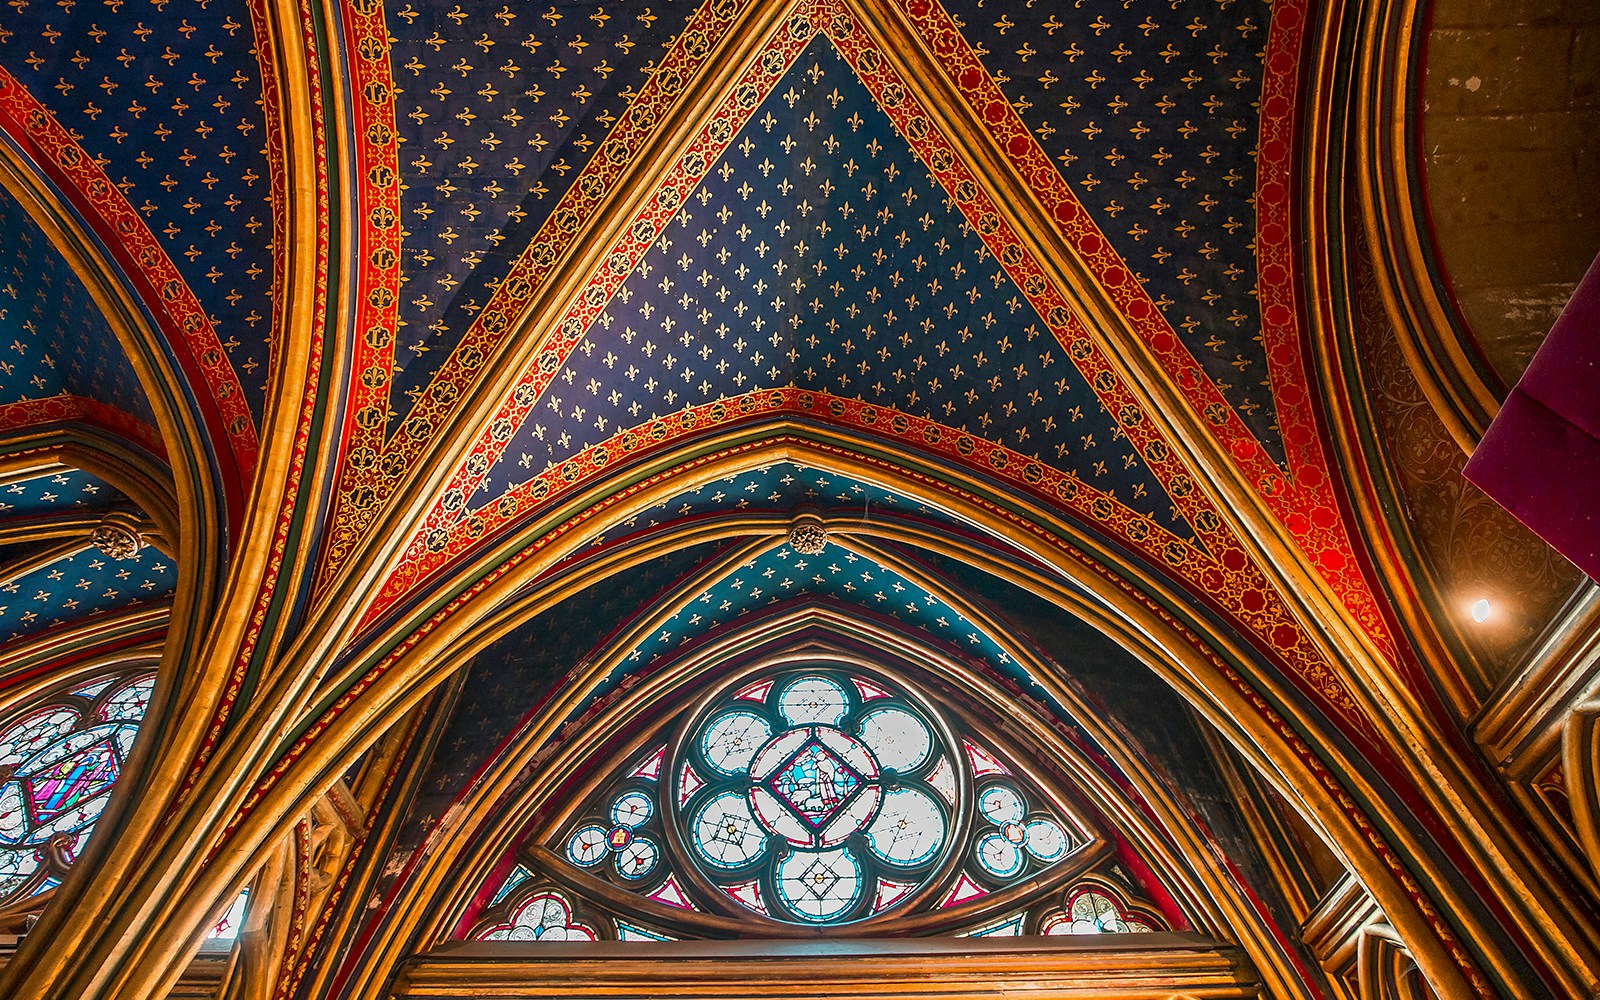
x: 149, y: 272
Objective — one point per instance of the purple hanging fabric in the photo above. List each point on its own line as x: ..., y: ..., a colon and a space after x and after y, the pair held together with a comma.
x: 1540, y: 458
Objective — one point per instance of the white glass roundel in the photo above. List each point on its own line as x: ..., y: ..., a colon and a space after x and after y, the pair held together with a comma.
x: 822, y: 800
x: 632, y: 810
x: 813, y: 699
x: 637, y: 859
x: 588, y: 846
x: 1000, y: 805
x: 999, y: 856
x: 1046, y: 840
x: 730, y: 742
x: 906, y: 744
x: 727, y: 831
x: 909, y: 829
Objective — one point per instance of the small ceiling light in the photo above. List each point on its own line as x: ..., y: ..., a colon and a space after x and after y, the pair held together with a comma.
x: 1480, y: 610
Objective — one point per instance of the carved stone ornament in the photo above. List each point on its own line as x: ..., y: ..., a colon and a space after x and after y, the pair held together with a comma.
x: 808, y: 537
x: 116, y: 541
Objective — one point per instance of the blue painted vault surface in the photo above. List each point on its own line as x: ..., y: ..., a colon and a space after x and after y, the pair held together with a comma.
x: 819, y: 253
x: 488, y: 155
x: 83, y: 584
x: 53, y: 338
x: 1150, y: 111
x: 168, y: 95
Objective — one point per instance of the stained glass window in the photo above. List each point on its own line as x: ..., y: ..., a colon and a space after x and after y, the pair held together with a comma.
x: 1100, y: 903
x: 546, y: 915
x: 819, y: 796
x: 58, y: 762
x: 527, y: 908
x: 227, y: 926
x: 811, y: 798
x: 1097, y: 907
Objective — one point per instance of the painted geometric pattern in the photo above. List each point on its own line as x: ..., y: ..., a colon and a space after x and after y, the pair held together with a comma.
x: 819, y: 253
x: 53, y: 339
x: 780, y: 487
x: 82, y: 584
x: 837, y: 574
x: 1149, y: 109
x: 169, y: 100
x: 499, y: 108
x: 71, y: 491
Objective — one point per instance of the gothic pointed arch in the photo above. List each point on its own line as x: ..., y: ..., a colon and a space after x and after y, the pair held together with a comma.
x: 905, y: 497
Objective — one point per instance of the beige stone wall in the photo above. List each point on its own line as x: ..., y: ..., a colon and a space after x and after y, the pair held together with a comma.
x: 1511, y: 153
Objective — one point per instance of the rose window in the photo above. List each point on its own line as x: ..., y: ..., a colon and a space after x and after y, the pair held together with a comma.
x: 58, y: 763
x: 816, y: 797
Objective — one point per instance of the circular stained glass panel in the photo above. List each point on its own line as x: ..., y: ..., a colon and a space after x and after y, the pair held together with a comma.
x: 821, y: 886
x: 1046, y: 840
x: 632, y: 809
x: 730, y: 742
x: 899, y: 739
x: 824, y: 796
x: 588, y: 846
x: 999, y: 856
x: 909, y: 829
x: 728, y: 832
x: 638, y: 859
x: 1000, y: 805
x: 814, y: 699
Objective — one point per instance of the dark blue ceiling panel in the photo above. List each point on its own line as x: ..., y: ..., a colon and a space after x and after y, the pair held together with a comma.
x: 1149, y: 109
x: 168, y: 96
x: 71, y: 491
x: 820, y: 253
x: 499, y: 108
x: 80, y: 585
x: 53, y: 338
x: 510, y: 678
x: 783, y: 488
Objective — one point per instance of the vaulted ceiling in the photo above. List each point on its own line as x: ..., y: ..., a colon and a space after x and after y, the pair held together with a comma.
x: 433, y: 347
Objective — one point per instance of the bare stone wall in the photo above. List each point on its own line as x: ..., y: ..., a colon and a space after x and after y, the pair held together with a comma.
x: 1511, y: 154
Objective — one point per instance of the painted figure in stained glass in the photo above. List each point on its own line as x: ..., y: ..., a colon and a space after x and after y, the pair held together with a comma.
x: 58, y: 763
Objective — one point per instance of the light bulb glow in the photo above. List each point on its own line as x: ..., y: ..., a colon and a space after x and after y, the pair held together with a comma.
x: 1480, y: 610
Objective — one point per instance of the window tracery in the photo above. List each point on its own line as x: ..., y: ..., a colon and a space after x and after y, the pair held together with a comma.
x: 545, y: 915
x: 823, y: 796
x: 816, y: 797
x: 59, y: 759
x: 1096, y: 904
x: 1099, y: 906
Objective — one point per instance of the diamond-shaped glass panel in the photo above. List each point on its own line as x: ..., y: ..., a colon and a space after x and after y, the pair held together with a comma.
x: 63, y: 785
x: 815, y: 783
